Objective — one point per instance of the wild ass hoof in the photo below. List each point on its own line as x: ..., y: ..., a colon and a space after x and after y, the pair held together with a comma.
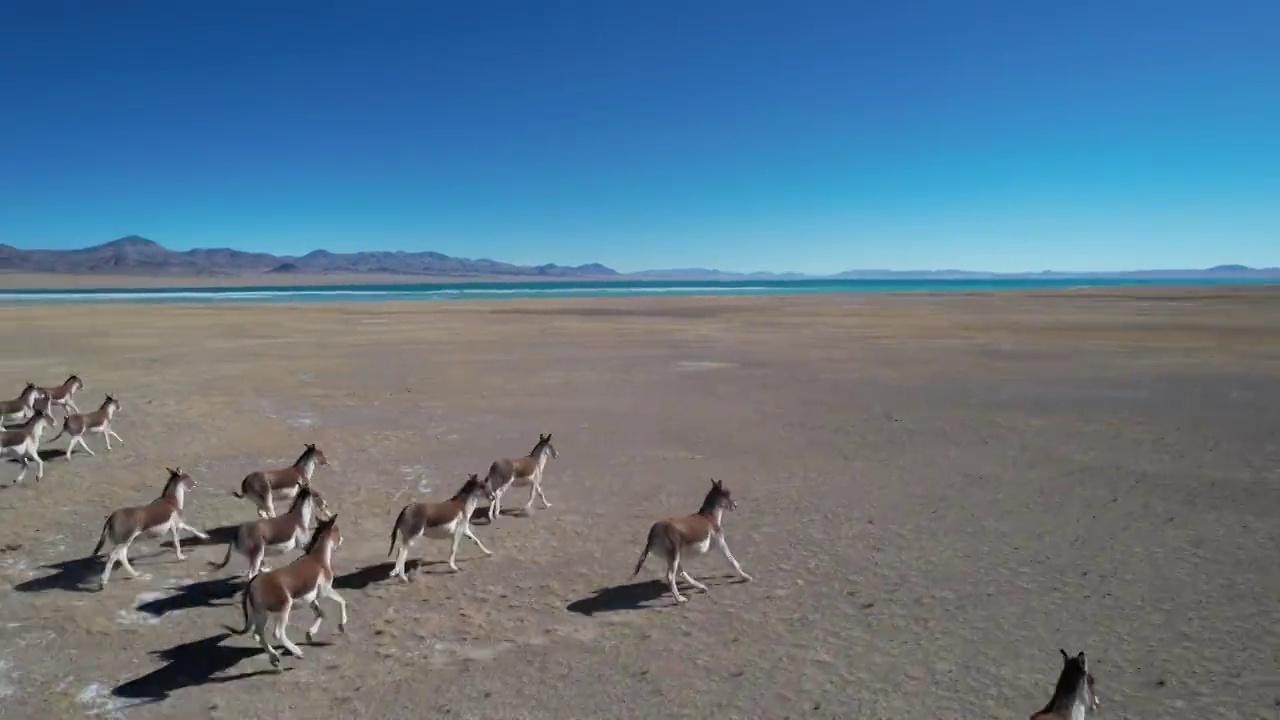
x: 311, y: 638
x: 342, y: 628
x: 746, y: 578
x: 680, y: 599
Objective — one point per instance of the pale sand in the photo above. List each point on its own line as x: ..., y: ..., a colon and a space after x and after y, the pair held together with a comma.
x: 935, y: 495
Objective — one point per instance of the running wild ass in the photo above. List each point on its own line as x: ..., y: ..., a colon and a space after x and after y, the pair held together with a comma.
x: 23, y: 444
x: 675, y: 538
x: 256, y: 539
x: 264, y: 487
x: 20, y: 408
x: 1073, y: 695
x: 98, y: 422
x: 305, y: 580
x: 448, y: 520
x: 160, y: 516
x: 61, y: 395
x: 520, y: 472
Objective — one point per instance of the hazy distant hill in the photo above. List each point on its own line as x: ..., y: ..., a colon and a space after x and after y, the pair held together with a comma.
x: 135, y: 255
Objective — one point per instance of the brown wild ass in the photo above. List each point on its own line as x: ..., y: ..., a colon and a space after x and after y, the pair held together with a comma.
x: 1073, y: 695
x: 61, y: 395
x: 305, y: 580
x: 76, y: 426
x: 448, y: 520
x: 256, y: 539
x: 160, y: 516
x: 23, y: 443
x: 520, y: 472
x: 675, y: 538
x: 264, y: 487
x: 20, y: 408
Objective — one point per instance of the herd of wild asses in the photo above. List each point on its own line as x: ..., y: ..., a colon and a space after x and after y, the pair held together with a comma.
x: 271, y: 595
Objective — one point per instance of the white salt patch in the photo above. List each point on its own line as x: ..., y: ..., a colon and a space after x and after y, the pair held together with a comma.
x: 703, y: 365
x: 301, y: 422
x: 130, y: 616
x: 98, y: 701
x: 7, y: 679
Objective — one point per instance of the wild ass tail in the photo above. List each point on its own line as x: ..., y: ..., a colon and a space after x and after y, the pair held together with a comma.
x: 62, y: 431
x: 102, y: 539
x: 219, y: 565
x: 244, y: 608
x: 655, y: 532
x: 395, y: 529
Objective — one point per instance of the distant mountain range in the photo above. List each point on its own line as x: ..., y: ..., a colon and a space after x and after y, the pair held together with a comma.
x: 135, y: 255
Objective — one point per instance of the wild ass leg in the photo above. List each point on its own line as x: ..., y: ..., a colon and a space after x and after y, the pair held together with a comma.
x: 724, y: 549
x: 177, y: 543
x: 689, y: 579
x: 542, y: 497
x: 34, y: 455
x: 315, y: 626
x: 329, y: 592
x: 25, y: 464
x: 192, y: 530
x: 255, y: 566
x: 107, y: 437
x: 466, y: 530
x: 260, y: 620
x: 453, y: 548
x: 68, y: 403
x: 270, y: 505
x: 282, y: 631
x: 673, y: 565
x: 495, y: 505
x: 112, y: 433
x: 402, y: 554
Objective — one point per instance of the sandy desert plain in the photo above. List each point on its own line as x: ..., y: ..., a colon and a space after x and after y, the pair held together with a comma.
x: 935, y: 494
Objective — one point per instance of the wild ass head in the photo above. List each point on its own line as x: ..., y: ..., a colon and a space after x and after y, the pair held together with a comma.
x: 718, y: 499
x: 474, y: 489
x: 326, y: 531
x: 1074, y: 687
x: 544, y: 445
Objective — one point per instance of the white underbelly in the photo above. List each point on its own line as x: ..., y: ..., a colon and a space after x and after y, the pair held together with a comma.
x: 158, y: 530
x: 307, y: 597
x: 281, y: 548
x: 441, y: 532
x: 522, y: 482
x: 285, y: 493
x: 699, y: 548
x: 13, y: 451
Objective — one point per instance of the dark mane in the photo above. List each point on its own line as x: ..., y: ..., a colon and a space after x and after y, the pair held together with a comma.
x: 304, y: 492
x: 1068, y: 681
x: 311, y: 450
x: 710, y: 502
x: 463, y: 491
x: 321, y: 530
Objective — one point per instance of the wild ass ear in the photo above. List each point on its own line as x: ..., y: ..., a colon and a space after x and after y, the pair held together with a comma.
x: 311, y: 446
x: 170, y: 470
x: 717, y: 484
x: 1065, y: 656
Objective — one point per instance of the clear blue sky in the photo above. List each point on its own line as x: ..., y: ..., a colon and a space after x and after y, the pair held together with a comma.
x: 740, y: 135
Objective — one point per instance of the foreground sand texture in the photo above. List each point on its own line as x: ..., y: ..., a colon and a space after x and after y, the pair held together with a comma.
x: 936, y: 493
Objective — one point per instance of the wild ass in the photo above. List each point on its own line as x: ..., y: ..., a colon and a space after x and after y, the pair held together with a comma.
x: 61, y: 395
x: 305, y: 580
x: 1073, y: 695
x: 448, y: 520
x: 263, y: 487
x: 674, y: 538
x: 20, y: 408
x: 520, y: 472
x: 256, y: 539
x: 23, y: 443
x: 160, y: 516
x: 98, y: 422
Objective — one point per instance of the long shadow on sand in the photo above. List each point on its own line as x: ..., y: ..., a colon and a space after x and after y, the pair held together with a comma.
x: 203, y: 593
x: 634, y: 596
x: 481, y: 514
x: 46, y: 455
x: 68, y: 575
x: 370, y: 574
x: 217, y: 536
x: 191, y: 664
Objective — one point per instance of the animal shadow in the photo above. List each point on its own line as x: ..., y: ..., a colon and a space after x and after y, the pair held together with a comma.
x: 203, y: 593
x: 370, y: 574
x: 46, y: 455
x: 631, y: 596
x: 481, y: 515
x: 190, y: 664
x: 217, y: 536
x: 68, y: 575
